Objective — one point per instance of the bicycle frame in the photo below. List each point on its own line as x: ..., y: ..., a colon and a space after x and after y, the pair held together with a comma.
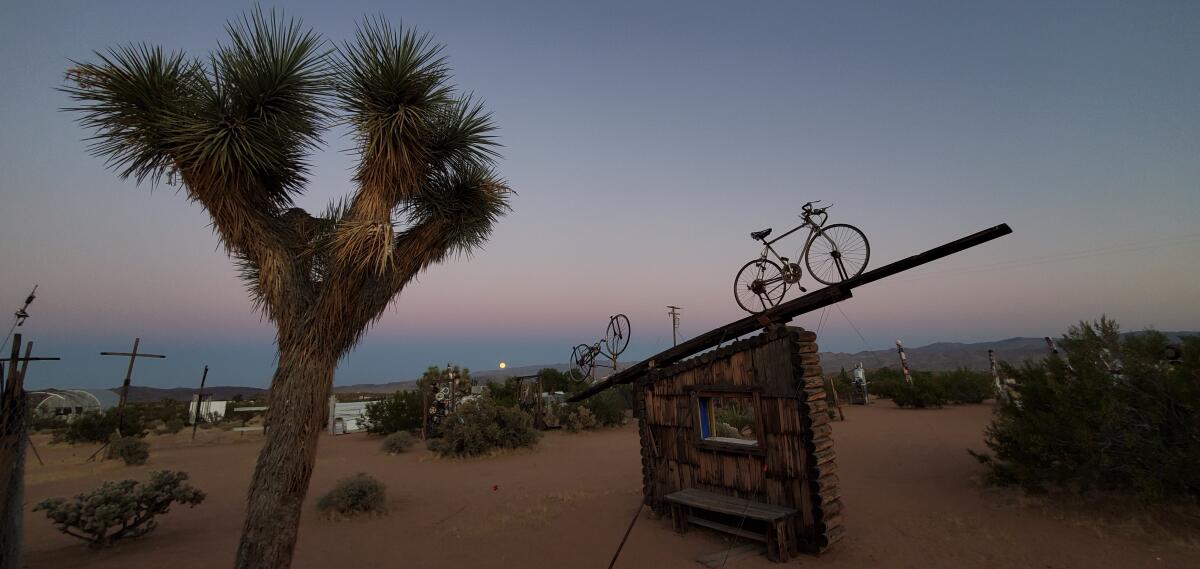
x: 812, y: 229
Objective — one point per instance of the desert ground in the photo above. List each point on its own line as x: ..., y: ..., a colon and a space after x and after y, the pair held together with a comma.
x: 913, y: 498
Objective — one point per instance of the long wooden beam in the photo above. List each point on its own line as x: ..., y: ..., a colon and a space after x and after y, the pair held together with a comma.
x: 784, y: 312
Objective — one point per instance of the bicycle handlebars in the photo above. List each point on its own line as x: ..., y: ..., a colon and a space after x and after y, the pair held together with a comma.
x: 808, y: 208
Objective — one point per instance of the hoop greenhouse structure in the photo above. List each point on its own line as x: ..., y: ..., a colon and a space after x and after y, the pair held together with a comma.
x: 74, y: 402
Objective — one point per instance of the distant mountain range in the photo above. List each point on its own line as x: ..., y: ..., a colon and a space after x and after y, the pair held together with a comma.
x: 940, y: 356
x: 945, y: 356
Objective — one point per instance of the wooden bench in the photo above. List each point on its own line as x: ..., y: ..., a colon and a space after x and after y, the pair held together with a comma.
x: 685, y: 503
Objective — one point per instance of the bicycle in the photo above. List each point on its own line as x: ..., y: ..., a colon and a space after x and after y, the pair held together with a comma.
x: 583, y: 356
x: 832, y: 254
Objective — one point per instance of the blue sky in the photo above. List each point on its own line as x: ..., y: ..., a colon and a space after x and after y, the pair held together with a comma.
x: 645, y: 142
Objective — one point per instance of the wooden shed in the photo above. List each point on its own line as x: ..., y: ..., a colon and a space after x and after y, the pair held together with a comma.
x: 745, y: 426
x: 739, y: 438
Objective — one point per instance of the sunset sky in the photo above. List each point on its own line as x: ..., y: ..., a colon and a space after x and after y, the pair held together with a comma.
x: 645, y: 142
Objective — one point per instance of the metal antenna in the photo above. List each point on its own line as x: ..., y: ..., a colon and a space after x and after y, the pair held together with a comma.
x: 21, y: 314
x: 674, y: 313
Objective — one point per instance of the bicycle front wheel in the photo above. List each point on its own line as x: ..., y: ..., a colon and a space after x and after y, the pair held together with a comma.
x: 759, y: 285
x: 836, y: 253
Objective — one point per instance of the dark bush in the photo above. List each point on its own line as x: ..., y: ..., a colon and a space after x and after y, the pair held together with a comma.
x: 921, y: 393
x: 578, y: 418
x: 1118, y: 419
x: 98, y: 427
x: 966, y: 386
x: 119, y: 510
x: 505, y: 394
x: 398, y: 442
x: 353, y: 496
x: 930, y: 389
x: 132, y: 450
x: 608, y: 407
x: 173, y: 426
x: 841, y: 382
x: 400, y: 412
x: 480, y: 426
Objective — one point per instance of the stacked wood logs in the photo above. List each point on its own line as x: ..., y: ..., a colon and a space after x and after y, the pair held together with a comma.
x: 821, y: 467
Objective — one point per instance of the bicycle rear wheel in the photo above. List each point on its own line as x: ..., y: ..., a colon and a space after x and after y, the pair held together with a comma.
x: 759, y: 285
x: 836, y: 253
x: 582, y: 361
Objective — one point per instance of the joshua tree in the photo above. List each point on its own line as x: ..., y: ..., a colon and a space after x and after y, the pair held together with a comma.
x: 233, y: 131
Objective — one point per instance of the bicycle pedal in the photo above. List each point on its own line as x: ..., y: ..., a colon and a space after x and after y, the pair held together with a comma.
x: 802, y: 289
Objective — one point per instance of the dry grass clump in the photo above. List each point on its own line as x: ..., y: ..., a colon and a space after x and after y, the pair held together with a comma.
x: 361, y: 494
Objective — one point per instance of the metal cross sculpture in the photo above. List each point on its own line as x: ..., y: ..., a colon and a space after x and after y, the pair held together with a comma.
x: 133, y: 356
x: 583, y: 357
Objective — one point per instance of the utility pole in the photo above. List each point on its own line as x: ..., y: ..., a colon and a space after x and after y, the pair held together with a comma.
x: 128, y: 375
x: 903, y: 362
x: 674, y: 313
x: 199, y: 402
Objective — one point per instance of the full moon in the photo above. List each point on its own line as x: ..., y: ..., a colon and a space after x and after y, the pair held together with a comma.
x: 503, y: 365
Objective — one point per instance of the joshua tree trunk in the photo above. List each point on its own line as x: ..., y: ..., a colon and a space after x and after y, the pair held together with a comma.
x: 301, y: 384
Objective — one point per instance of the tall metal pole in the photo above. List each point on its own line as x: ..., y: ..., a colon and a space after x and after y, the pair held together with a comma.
x: 903, y: 361
x: 674, y: 324
x: 199, y: 402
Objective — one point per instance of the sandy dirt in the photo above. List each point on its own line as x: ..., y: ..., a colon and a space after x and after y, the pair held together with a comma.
x: 912, y: 497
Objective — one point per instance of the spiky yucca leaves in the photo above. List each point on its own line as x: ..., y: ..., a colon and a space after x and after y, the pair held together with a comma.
x: 235, y: 130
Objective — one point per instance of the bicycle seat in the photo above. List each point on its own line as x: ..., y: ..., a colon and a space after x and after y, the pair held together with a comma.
x: 760, y: 235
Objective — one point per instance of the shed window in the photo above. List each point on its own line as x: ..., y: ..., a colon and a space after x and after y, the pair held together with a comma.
x: 728, y: 418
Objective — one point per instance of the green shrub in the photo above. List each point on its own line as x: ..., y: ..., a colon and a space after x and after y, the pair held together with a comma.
x: 173, y: 426
x: 966, y: 386
x: 400, y: 412
x: 132, y: 450
x: 608, y: 407
x: 353, y: 496
x: 98, y: 427
x: 841, y: 382
x: 579, y: 418
x: 1084, y: 428
x: 505, y: 394
x: 921, y: 393
x: 929, y: 389
x: 119, y: 510
x: 398, y: 442
x: 480, y: 426
x: 726, y: 430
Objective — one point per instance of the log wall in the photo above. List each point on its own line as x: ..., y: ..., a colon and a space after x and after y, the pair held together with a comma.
x: 793, y: 466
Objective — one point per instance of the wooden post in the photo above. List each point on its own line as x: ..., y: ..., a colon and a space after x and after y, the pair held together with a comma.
x: 14, y: 435
x: 199, y: 402
x: 541, y: 414
x: 128, y: 376
x: 836, y: 401
x: 424, y: 412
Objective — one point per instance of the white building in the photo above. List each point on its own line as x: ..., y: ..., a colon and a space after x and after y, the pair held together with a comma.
x: 210, y: 411
x: 347, y: 417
